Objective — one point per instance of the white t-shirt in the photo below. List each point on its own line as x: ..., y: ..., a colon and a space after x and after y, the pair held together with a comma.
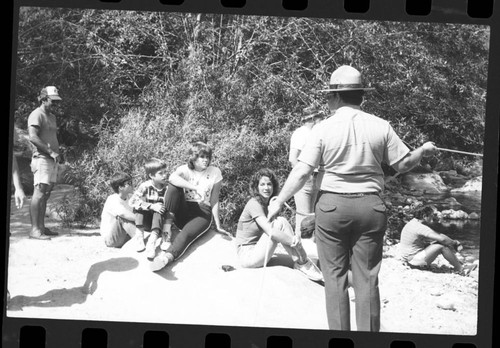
x: 299, y: 138
x: 113, y: 207
x: 205, y: 179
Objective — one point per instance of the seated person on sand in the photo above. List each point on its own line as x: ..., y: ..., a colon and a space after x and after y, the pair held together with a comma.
x: 147, y: 202
x: 257, y: 239
x: 420, y: 245
x: 192, y: 199
x: 117, y: 217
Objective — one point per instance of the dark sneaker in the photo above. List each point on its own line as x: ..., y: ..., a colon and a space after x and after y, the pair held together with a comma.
x: 48, y: 232
x: 38, y: 235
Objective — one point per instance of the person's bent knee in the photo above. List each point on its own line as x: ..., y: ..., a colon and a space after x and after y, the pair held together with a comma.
x: 280, y: 225
x: 279, y: 222
x: 447, y: 248
x: 439, y: 247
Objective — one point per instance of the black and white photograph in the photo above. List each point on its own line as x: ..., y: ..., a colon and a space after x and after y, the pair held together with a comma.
x: 247, y: 171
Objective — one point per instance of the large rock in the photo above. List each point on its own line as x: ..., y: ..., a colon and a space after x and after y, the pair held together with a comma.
x: 430, y: 183
x: 200, y: 292
x: 452, y: 178
x: 473, y: 185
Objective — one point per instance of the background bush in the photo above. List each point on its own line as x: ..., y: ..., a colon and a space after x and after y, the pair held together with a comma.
x: 141, y: 84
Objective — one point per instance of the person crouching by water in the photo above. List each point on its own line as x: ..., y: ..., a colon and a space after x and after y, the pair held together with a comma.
x: 257, y: 239
x: 420, y: 245
x: 192, y: 199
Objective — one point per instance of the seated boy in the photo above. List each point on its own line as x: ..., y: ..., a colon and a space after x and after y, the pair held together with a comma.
x: 147, y: 202
x: 117, y: 217
x: 420, y: 245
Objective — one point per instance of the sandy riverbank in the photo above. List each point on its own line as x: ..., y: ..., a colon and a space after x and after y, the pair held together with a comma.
x: 46, y: 279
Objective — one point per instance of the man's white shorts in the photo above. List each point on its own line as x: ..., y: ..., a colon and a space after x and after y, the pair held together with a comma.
x: 44, y: 170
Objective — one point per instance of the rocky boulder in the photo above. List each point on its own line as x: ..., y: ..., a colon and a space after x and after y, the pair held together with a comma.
x: 452, y: 178
x: 430, y: 183
x: 454, y: 214
x: 473, y: 185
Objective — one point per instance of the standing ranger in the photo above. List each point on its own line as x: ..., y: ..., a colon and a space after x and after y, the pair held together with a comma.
x: 350, y: 215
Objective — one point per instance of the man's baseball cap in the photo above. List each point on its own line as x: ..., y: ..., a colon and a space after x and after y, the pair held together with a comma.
x: 50, y: 92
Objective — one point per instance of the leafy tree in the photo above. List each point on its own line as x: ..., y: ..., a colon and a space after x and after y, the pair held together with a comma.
x: 144, y: 84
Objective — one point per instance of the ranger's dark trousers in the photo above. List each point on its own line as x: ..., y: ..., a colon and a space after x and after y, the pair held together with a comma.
x: 349, y: 234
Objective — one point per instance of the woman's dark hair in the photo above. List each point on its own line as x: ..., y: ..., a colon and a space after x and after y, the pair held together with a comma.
x: 119, y: 179
x: 198, y: 149
x: 254, y: 184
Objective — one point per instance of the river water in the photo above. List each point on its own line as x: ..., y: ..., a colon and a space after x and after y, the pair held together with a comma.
x: 466, y: 231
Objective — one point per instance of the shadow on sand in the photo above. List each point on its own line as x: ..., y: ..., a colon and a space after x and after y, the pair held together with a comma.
x: 77, y: 295
x: 118, y: 264
x: 53, y: 298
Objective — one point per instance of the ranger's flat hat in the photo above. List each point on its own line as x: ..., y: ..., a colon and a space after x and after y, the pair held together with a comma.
x: 346, y: 78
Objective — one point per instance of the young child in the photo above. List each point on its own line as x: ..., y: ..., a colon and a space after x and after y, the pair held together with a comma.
x: 147, y: 202
x: 420, y: 245
x: 117, y: 217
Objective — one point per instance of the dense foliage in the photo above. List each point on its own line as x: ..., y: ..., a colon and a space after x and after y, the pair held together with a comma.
x: 141, y: 84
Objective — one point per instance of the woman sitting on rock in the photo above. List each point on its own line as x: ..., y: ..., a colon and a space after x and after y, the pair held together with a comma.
x: 420, y: 245
x: 191, y: 200
x: 257, y: 239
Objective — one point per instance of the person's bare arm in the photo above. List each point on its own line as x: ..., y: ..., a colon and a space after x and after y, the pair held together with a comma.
x: 214, y: 202
x: 441, y: 238
x: 19, y: 194
x: 177, y: 180
x: 296, y: 180
x: 264, y: 224
x: 413, y: 158
x: 293, y: 157
x: 125, y: 214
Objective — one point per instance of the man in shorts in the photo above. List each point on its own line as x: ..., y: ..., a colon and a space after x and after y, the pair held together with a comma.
x: 42, y: 130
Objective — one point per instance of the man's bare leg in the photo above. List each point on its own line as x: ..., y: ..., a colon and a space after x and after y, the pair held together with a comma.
x: 38, y: 206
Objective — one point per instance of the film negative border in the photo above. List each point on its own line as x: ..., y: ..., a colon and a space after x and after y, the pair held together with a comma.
x: 67, y: 333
